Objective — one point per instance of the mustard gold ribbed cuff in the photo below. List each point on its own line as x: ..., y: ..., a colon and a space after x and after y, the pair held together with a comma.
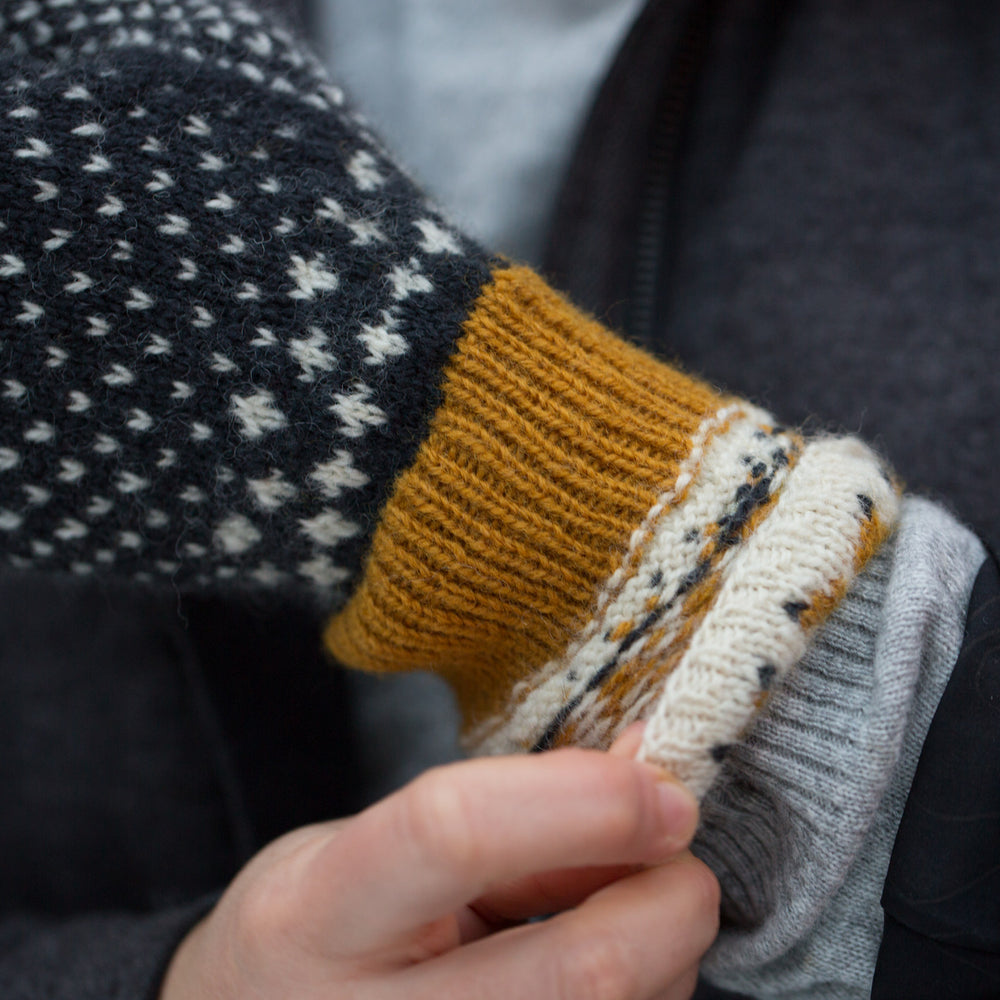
x: 552, y: 442
x: 588, y: 536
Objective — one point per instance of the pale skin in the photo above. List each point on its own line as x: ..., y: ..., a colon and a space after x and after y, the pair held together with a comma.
x: 427, y: 893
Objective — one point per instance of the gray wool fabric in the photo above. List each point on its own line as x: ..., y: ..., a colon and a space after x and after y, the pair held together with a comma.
x: 482, y: 101
x: 800, y: 826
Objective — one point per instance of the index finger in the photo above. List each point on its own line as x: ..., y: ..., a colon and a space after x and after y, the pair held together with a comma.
x: 445, y: 838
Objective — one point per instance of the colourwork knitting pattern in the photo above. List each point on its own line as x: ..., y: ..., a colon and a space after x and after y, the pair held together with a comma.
x: 221, y: 302
x: 588, y: 537
x: 241, y: 349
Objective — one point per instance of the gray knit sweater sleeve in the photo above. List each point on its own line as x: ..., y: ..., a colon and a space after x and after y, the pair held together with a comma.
x: 800, y: 826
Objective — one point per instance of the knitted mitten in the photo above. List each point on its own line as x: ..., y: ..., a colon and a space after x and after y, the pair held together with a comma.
x: 587, y: 537
x: 241, y: 350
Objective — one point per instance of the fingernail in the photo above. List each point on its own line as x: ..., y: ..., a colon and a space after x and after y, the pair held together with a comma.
x: 628, y: 740
x: 678, y: 810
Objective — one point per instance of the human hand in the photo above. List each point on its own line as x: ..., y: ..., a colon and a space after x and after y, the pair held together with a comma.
x: 425, y: 894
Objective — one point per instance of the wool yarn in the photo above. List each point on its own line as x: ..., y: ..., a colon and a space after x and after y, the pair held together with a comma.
x: 242, y: 350
x: 588, y: 537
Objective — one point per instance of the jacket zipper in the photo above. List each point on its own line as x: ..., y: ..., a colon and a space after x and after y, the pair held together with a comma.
x: 654, y: 234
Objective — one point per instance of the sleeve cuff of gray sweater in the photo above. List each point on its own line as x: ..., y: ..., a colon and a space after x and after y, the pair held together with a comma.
x: 800, y: 825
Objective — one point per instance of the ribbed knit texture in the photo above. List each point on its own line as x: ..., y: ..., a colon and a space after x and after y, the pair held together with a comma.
x: 800, y: 825
x: 832, y: 515
x: 552, y: 442
x: 241, y: 350
x: 588, y: 536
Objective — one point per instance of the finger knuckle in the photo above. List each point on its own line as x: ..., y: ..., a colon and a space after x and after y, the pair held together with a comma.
x: 263, y: 918
x: 440, y: 822
x: 265, y: 902
x: 604, y: 968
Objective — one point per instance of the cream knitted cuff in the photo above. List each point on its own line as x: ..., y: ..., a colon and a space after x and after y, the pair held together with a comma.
x: 692, y: 629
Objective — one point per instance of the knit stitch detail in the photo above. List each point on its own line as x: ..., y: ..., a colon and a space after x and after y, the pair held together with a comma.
x: 552, y: 442
x: 240, y: 349
x: 588, y: 536
x: 223, y: 308
x: 647, y: 612
x: 836, y: 510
